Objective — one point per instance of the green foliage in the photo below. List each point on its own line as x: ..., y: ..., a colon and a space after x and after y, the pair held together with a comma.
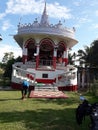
x: 71, y: 58
x: 94, y: 88
x: 94, y: 53
x: 83, y: 56
x: 7, y: 56
x: 8, y: 67
x: 89, y: 56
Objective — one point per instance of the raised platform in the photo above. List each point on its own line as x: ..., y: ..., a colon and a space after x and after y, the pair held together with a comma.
x: 47, y: 94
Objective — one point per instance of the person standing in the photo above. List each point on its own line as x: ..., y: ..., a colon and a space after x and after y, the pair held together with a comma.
x: 25, y: 88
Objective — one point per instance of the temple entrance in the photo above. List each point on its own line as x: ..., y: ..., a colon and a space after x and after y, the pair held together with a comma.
x: 46, y: 52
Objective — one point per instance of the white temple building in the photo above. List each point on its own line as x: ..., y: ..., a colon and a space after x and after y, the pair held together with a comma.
x: 45, y: 55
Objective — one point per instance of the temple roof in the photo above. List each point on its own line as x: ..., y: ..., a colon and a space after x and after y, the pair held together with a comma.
x: 45, y: 28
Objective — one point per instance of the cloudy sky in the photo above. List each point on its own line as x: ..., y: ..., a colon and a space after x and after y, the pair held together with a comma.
x: 81, y: 14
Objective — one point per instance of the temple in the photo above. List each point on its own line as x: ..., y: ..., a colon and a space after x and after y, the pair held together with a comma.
x: 45, y: 49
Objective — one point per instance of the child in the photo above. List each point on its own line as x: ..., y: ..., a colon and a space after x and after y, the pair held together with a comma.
x: 25, y: 87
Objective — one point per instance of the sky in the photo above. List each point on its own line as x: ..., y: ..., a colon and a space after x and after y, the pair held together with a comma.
x: 81, y: 14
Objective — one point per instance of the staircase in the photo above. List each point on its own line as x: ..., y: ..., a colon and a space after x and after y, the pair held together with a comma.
x: 45, y: 87
x: 20, y: 74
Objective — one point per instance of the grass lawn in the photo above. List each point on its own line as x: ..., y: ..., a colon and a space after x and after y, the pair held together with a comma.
x: 40, y: 114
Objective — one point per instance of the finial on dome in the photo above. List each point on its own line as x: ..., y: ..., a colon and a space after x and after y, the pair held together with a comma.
x: 44, y: 18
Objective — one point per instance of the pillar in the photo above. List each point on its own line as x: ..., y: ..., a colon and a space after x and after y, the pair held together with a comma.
x: 24, y: 55
x: 37, y: 57
x: 65, y: 57
x: 55, y: 57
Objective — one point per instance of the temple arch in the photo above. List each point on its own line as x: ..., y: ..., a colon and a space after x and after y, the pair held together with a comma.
x: 46, y: 51
x: 60, y: 51
x: 31, y: 49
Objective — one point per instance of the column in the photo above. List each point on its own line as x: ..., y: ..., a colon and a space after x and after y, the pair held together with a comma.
x: 83, y: 78
x: 55, y: 57
x: 37, y: 57
x: 24, y: 55
x: 65, y: 57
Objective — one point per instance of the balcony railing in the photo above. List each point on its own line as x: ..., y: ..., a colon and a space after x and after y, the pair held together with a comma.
x: 46, y: 62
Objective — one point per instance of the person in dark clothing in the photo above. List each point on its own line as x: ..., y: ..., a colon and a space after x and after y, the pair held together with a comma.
x: 82, y: 110
x: 25, y: 88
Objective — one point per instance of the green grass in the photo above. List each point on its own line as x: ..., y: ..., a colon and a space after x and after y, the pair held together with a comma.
x: 39, y: 114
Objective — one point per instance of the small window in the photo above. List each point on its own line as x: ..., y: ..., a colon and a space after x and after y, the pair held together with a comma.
x: 44, y: 75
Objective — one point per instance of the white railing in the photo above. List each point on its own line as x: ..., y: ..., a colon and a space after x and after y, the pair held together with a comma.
x: 67, y: 78
x: 21, y: 74
x: 28, y: 64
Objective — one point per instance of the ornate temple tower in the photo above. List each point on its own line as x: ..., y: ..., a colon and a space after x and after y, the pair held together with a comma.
x: 44, y: 50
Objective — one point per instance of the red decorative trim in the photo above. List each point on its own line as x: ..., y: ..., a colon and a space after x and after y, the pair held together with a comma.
x: 65, y: 60
x: 45, y: 69
x: 19, y: 86
x: 41, y: 80
x: 37, y: 61
x: 47, y: 41
x: 60, y: 88
x: 45, y: 80
x: 30, y: 76
x: 24, y: 59
x: 54, y: 62
x: 63, y: 44
x: 68, y: 88
x: 59, y: 77
x: 29, y: 41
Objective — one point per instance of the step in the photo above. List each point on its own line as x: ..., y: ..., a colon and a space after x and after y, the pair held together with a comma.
x: 46, y: 87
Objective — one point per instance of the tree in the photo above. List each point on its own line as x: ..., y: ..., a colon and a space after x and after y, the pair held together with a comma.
x: 84, y: 56
x: 8, y: 60
x: 94, y: 54
x: 8, y: 68
x: 71, y: 58
x: 7, y: 56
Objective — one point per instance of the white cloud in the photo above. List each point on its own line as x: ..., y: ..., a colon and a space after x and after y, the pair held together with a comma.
x: 81, y: 21
x: 25, y: 7
x: 2, y: 15
x: 7, y: 48
x: 95, y: 26
x: 6, y: 25
x: 57, y: 11
x: 21, y: 6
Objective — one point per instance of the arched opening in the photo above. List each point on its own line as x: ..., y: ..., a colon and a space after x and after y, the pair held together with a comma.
x: 60, y: 52
x: 46, y: 52
x: 31, y: 49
